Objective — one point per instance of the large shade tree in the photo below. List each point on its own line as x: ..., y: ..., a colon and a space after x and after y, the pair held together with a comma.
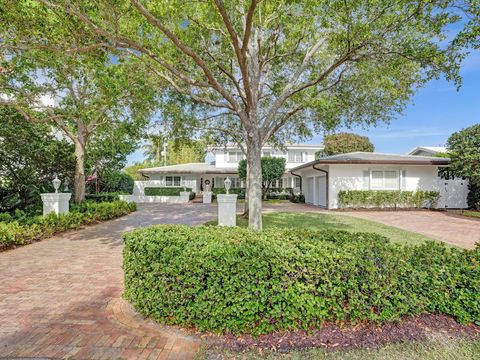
x: 30, y: 155
x: 92, y: 102
x: 266, y: 71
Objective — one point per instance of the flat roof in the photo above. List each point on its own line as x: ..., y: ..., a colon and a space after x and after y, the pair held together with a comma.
x: 376, y: 158
x: 190, y: 168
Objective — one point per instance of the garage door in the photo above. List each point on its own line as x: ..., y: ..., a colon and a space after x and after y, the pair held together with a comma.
x: 322, y: 191
x: 309, y: 198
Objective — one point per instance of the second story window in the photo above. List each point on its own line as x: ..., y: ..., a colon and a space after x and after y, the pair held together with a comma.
x: 234, y: 156
x: 295, y: 156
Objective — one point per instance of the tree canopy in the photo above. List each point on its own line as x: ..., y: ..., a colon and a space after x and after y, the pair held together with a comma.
x: 263, y: 71
x: 30, y: 156
x: 464, y: 152
x: 342, y: 143
x: 273, y: 169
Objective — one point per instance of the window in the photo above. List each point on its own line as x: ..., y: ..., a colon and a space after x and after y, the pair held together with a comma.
x: 384, y: 180
x: 296, y: 182
x: 267, y: 153
x: 235, y: 156
x: 173, y: 181
x: 294, y: 156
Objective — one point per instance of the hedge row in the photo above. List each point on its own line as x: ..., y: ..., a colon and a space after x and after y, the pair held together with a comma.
x: 165, y: 191
x: 101, y: 197
x: 221, y: 190
x: 20, y: 232
x: 387, y: 198
x: 243, y: 281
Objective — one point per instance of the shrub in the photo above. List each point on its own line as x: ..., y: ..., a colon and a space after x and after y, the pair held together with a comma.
x: 387, y: 198
x: 473, y: 197
x: 220, y: 190
x: 300, y: 198
x: 238, y: 280
x: 118, y: 182
x: 24, y: 230
x: 164, y: 191
x: 102, y: 197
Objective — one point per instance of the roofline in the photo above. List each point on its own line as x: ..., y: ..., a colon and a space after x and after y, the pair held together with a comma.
x: 216, y: 171
x: 301, y: 146
x: 426, y: 149
x: 378, y: 162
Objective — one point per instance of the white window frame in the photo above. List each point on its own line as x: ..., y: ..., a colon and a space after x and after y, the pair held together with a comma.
x: 267, y: 154
x: 383, y: 186
x: 173, y: 181
x: 295, y: 156
x: 237, y: 156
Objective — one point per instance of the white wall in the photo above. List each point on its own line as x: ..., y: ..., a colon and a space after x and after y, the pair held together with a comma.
x: 453, y: 193
x: 221, y: 158
x: 157, y: 180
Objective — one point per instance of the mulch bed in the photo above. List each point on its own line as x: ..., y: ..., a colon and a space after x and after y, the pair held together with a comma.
x: 334, y: 337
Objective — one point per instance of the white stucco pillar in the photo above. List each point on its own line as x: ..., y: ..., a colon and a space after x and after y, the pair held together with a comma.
x: 57, y: 203
x: 184, y: 196
x: 207, y: 197
x: 227, y: 209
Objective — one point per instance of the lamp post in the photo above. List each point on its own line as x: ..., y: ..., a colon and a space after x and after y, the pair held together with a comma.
x: 227, y: 183
x: 56, y: 183
x: 227, y: 206
x: 56, y: 202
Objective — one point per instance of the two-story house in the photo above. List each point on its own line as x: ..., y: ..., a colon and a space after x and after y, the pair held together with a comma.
x: 198, y: 176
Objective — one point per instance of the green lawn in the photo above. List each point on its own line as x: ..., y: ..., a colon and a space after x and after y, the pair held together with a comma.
x: 475, y: 214
x: 336, y: 222
x: 439, y: 347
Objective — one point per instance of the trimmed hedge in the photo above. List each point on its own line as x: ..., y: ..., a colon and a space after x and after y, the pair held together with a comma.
x: 26, y: 230
x: 300, y: 198
x: 164, y: 191
x: 387, y: 198
x: 221, y: 190
x: 101, y: 197
x: 242, y: 281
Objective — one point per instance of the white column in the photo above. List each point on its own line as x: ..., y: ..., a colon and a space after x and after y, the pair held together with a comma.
x: 57, y: 203
x: 184, y: 196
x: 227, y: 209
x: 207, y: 197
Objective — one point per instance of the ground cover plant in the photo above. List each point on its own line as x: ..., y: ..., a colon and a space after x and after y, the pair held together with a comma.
x: 19, y: 229
x: 242, y: 281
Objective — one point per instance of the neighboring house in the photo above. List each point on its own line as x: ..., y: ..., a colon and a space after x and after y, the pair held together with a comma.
x: 427, y: 150
x: 197, y: 175
x: 323, y: 179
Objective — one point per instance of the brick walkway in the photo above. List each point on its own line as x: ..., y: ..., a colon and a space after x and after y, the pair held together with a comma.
x: 61, y: 297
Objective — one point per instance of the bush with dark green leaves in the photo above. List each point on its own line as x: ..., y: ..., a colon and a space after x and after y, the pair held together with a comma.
x: 300, y: 198
x: 221, y: 190
x: 243, y: 281
x: 164, y: 191
x: 387, y: 199
x: 102, y: 197
x: 473, y: 198
x: 16, y: 230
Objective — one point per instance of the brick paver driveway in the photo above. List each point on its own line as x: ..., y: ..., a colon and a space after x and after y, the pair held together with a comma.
x: 455, y: 230
x: 61, y: 297
x: 452, y: 229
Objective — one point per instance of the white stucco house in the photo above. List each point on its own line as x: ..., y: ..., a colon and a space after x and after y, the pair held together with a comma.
x: 319, y: 180
x: 427, y: 150
x: 196, y: 175
x: 323, y: 179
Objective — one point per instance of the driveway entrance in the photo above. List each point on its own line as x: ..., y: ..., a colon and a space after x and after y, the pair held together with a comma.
x: 61, y: 297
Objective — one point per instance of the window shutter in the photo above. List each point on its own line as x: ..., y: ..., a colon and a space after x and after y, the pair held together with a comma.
x: 366, y: 179
x: 404, y: 180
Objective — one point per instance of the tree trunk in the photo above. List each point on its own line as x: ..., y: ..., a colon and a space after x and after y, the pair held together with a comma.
x: 245, y: 209
x: 79, y: 179
x: 254, y: 178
